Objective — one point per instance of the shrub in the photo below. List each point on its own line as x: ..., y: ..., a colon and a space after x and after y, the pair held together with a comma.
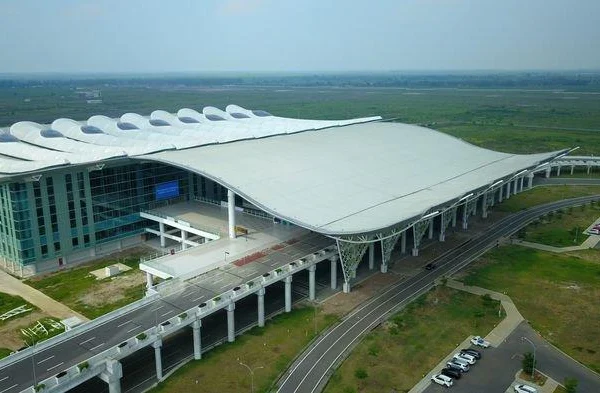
x: 183, y: 315
x: 141, y: 336
x: 83, y: 366
x: 373, y: 350
x: 528, y: 363
x: 571, y: 385
x: 487, y: 300
x: 361, y: 373
x: 217, y: 299
x: 39, y: 387
x: 250, y: 284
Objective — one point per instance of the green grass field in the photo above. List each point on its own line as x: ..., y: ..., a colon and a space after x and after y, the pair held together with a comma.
x: 70, y: 285
x: 562, y: 228
x: 396, y: 355
x: 9, y: 302
x: 272, y: 347
x: 557, y: 293
x: 544, y: 194
x: 4, y: 352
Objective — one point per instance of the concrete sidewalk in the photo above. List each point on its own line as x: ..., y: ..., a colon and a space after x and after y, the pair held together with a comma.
x: 12, y: 286
x: 591, y: 242
x: 495, y: 337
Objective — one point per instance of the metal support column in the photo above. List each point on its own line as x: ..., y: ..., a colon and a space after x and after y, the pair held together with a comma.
x: 261, y: 306
x: 288, y: 293
x: 197, y: 339
x: 500, y: 193
x: 231, y: 322
x: 231, y: 213
x: 311, y: 282
x: 333, y: 272
x: 161, y: 228
x: 158, y: 358
x: 465, y: 217
x: 454, y: 213
x: 183, y: 239
x: 521, y: 183
x: 371, y: 256
x: 484, y: 206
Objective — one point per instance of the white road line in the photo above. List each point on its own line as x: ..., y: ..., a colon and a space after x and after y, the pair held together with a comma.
x: 42, y: 361
x: 167, y: 313
x: 198, y: 298
x: 124, y: 323
x: 3, y: 379
x: 57, y: 365
x: 131, y: 330
x: 96, y: 347
x: 189, y: 294
x: 87, y: 341
x: 157, y: 308
x: 7, y: 389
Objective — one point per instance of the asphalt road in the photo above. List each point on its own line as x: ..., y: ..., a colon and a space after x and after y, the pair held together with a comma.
x: 313, y: 368
x: 495, y: 372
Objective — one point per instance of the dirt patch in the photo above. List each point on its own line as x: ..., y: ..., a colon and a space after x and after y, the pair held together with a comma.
x: 10, y: 336
x: 112, y: 290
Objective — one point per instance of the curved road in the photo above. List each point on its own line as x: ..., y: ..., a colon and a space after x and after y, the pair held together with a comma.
x: 312, y: 369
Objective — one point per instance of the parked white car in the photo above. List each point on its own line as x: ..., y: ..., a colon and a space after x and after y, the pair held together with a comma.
x: 443, y: 380
x: 480, y: 342
x: 461, y: 365
x: 465, y: 356
x: 525, y: 389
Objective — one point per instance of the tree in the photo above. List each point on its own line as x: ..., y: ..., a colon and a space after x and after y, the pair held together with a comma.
x: 528, y: 363
x: 571, y: 385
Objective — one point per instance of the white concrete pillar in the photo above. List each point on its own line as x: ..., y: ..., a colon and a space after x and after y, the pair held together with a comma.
x: 558, y: 170
x: 334, y: 272
x: 197, y: 339
x: 588, y: 169
x: 112, y: 375
x: 261, y: 306
x: 158, y: 358
x: 484, y: 207
x: 430, y: 234
x: 231, y: 213
x: 346, y: 287
x: 548, y: 170
x: 288, y: 293
x: 415, y: 252
x: 183, y: 239
x: 442, y: 235
x: 508, y: 190
x: 474, y: 212
x: 161, y: 228
x: 500, y: 193
x: 454, y: 213
x: 231, y: 322
x: 515, y: 191
x: 149, y: 280
x: 384, y: 266
x: 465, y: 215
x: 403, y: 242
x: 371, y: 256
x: 311, y: 282
x: 572, y: 169
x: 530, y: 180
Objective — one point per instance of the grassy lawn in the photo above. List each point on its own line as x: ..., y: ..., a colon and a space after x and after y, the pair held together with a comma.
x: 397, y: 354
x: 9, y: 302
x: 544, y: 194
x: 559, y: 294
x: 4, y: 352
x: 563, y: 228
x: 82, y: 292
x: 272, y: 347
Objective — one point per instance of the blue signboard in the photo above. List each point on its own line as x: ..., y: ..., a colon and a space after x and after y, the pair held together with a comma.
x: 167, y: 190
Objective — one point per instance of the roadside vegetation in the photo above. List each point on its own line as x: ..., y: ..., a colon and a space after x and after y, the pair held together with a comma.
x: 78, y: 289
x: 562, y: 228
x: 396, y: 355
x: 544, y: 194
x: 4, y: 352
x: 10, y: 302
x: 272, y: 347
x: 557, y: 293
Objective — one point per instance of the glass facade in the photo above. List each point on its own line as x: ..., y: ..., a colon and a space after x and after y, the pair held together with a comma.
x: 77, y: 208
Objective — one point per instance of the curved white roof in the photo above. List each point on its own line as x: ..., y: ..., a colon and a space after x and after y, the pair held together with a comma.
x: 352, y: 179
x: 67, y: 141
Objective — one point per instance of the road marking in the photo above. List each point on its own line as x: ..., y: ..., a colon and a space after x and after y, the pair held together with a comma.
x: 124, y: 323
x: 198, y: 298
x: 48, y: 358
x: 189, y: 294
x: 3, y: 379
x: 59, y: 364
x: 167, y: 313
x: 131, y: 330
x: 96, y: 347
x: 87, y: 341
x: 157, y: 308
x: 7, y: 389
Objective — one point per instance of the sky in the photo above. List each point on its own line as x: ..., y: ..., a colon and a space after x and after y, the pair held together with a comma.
x: 151, y: 36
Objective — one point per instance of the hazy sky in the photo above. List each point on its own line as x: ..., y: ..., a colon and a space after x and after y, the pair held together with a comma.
x: 297, y: 35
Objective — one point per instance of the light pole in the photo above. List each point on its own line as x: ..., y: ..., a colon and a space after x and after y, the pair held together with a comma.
x: 251, y: 370
x: 533, y: 345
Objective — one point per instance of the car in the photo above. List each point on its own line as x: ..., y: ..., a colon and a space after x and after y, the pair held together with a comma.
x: 460, y: 360
x: 443, y: 380
x: 525, y: 389
x: 451, y: 372
x: 465, y: 356
x: 430, y: 266
x: 464, y: 367
x: 480, y: 342
x: 473, y: 352
x: 595, y: 231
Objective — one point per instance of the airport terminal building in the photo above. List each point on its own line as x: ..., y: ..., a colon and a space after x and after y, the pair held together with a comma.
x: 73, y: 190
